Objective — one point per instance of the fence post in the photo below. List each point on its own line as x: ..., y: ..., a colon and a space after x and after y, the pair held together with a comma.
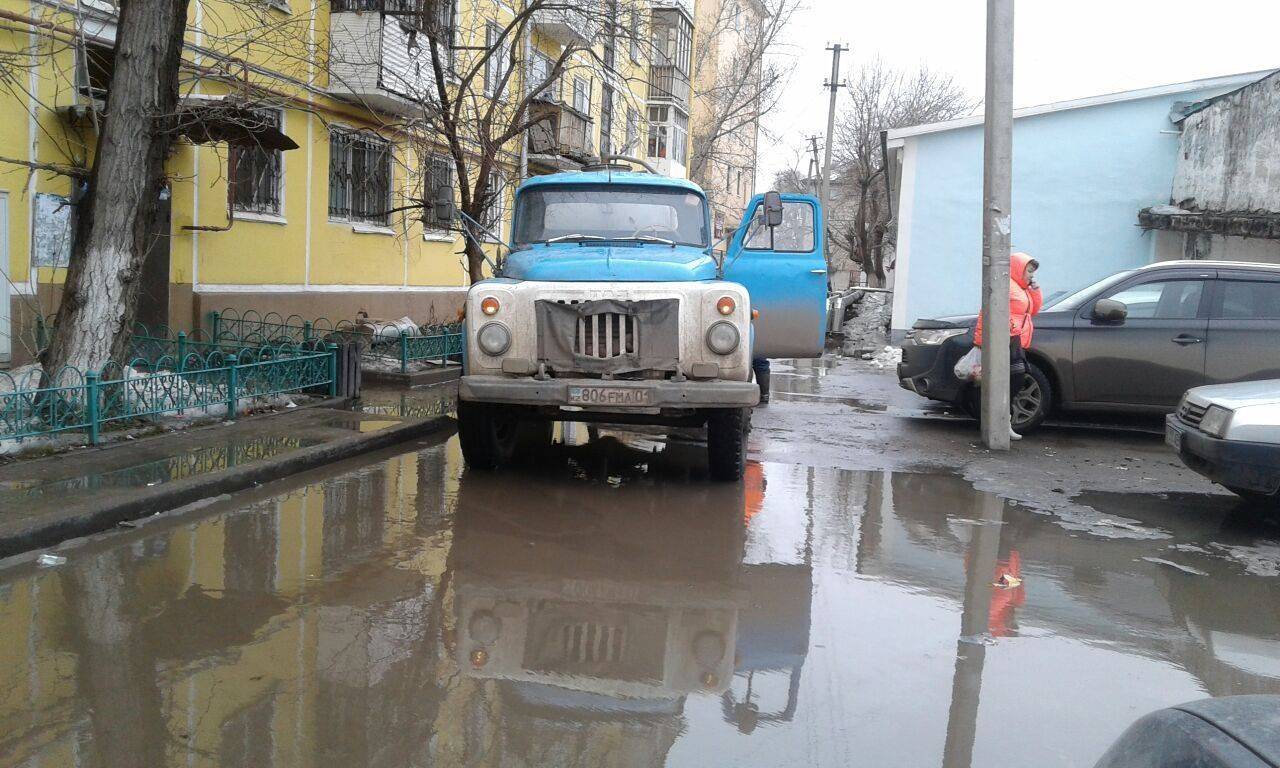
x: 333, y: 369
x: 91, y: 404
x: 215, y: 326
x: 306, y: 331
x: 404, y: 352
x: 233, y: 383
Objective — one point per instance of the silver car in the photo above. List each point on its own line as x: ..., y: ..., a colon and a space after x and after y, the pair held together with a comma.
x: 1230, y: 433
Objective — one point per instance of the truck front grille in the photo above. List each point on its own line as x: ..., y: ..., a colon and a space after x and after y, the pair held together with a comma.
x: 1191, y: 413
x: 606, y: 335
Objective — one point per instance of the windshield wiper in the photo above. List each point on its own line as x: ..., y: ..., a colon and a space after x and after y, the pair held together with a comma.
x: 562, y: 238
x: 647, y: 239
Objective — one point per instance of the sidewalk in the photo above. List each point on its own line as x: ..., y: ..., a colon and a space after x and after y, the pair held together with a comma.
x: 45, y: 501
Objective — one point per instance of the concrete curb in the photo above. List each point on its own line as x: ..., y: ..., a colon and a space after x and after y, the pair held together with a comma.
x: 415, y: 379
x: 84, y: 519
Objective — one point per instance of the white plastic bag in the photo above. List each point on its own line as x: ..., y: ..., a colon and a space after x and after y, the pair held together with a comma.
x: 969, y: 367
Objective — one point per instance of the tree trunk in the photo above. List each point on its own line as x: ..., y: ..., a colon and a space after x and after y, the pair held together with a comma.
x: 115, y: 219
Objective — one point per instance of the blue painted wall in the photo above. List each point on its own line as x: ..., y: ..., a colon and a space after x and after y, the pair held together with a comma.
x: 1080, y: 177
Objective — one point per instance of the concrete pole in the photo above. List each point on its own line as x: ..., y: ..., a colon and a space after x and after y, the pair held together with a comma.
x: 997, y: 184
x: 824, y: 196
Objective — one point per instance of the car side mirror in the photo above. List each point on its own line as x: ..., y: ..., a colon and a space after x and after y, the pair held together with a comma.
x: 442, y: 207
x: 1110, y: 311
x: 772, y: 209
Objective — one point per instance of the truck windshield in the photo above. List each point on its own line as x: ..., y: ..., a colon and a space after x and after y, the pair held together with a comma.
x: 610, y: 212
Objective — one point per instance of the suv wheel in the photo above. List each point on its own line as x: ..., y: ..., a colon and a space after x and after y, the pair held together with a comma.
x: 727, y: 443
x: 488, y: 434
x: 1030, y: 405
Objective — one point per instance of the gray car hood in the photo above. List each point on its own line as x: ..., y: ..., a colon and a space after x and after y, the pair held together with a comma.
x: 1240, y: 394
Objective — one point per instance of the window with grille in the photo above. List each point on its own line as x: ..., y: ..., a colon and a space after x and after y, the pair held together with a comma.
x: 255, y: 174
x: 359, y: 178
x: 606, y: 120
x: 437, y: 175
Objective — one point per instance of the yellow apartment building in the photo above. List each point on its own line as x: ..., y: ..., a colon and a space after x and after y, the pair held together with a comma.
x: 303, y: 219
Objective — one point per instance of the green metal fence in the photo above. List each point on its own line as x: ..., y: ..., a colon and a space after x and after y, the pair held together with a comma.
x: 441, y: 343
x: 219, y: 383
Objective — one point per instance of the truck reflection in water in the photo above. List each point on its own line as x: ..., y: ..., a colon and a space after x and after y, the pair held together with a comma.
x: 601, y: 613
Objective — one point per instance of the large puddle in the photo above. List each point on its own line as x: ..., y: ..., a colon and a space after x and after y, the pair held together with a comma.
x: 610, y: 607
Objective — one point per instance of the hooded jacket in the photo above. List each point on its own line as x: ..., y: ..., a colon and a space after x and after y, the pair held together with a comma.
x: 1024, y: 302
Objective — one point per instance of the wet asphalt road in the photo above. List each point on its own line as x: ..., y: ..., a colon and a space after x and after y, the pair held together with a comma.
x: 605, y: 605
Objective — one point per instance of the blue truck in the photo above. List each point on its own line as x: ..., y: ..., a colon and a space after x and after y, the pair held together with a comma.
x: 614, y: 305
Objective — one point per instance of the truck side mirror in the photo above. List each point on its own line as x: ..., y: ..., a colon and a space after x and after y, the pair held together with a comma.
x: 772, y: 209
x: 442, y: 207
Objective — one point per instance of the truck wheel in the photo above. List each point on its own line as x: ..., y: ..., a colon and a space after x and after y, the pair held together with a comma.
x: 488, y: 434
x: 727, y: 443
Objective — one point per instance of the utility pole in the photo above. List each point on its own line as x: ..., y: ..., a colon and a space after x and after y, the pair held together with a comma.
x: 997, y: 186
x: 815, y: 167
x: 833, y: 84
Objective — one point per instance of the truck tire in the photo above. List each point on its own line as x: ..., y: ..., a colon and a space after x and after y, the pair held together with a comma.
x: 727, y: 443
x: 488, y: 434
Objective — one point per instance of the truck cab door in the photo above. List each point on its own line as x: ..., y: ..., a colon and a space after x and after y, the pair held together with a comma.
x: 785, y: 271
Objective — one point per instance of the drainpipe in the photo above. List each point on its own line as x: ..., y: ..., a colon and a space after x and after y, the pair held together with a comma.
x: 524, y: 84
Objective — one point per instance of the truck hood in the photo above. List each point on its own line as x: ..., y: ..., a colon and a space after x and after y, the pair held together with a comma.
x: 1238, y: 395
x: 645, y: 263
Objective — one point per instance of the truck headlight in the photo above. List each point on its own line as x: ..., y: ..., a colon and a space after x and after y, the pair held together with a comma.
x: 723, y: 338
x: 1216, y: 420
x: 937, y: 335
x: 494, y: 338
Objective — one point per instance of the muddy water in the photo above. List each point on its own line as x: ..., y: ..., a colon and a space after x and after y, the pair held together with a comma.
x: 610, y: 607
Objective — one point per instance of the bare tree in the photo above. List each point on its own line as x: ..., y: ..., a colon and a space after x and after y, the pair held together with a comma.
x: 483, y: 84
x: 880, y: 99
x: 734, y: 86
x: 116, y: 217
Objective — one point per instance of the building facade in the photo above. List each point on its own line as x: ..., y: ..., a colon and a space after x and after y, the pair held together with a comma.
x: 1081, y: 171
x: 313, y: 214
x: 725, y: 113
x: 1225, y: 202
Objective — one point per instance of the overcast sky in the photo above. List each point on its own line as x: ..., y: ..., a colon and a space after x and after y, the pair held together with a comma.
x: 1062, y: 50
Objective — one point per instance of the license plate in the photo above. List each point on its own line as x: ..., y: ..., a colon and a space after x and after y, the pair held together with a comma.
x: 1174, y: 439
x: 611, y: 396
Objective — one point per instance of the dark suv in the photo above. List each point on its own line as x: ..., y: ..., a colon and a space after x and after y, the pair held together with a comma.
x: 1134, y: 341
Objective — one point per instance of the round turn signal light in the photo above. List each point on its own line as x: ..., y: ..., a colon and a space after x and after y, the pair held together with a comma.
x: 490, y: 306
x: 726, y: 305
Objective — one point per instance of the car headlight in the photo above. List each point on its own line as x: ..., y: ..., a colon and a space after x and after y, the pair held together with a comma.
x: 937, y: 335
x: 494, y: 338
x: 1216, y: 420
x: 723, y: 338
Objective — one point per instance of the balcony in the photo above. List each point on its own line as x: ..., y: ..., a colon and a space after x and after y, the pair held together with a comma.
x: 376, y: 57
x: 566, y: 26
x: 668, y: 84
x: 561, y: 131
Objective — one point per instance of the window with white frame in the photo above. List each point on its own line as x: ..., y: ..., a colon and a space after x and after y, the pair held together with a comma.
x: 495, y: 67
x: 255, y: 173
x: 659, y: 134
x: 359, y: 177
x: 540, y: 69
x: 437, y: 174
x: 635, y: 32
x: 582, y: 95
x: 493, y: 213
x: 633, y: 130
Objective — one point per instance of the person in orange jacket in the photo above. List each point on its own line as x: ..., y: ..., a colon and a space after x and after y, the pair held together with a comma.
x: 1024, y: 303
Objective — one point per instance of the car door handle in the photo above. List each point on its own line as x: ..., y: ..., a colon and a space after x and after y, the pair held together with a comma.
x: 1186, y: 338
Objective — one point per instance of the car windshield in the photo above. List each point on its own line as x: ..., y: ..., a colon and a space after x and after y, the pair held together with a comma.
x: 1074, y: 300
x: 610, y: 212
